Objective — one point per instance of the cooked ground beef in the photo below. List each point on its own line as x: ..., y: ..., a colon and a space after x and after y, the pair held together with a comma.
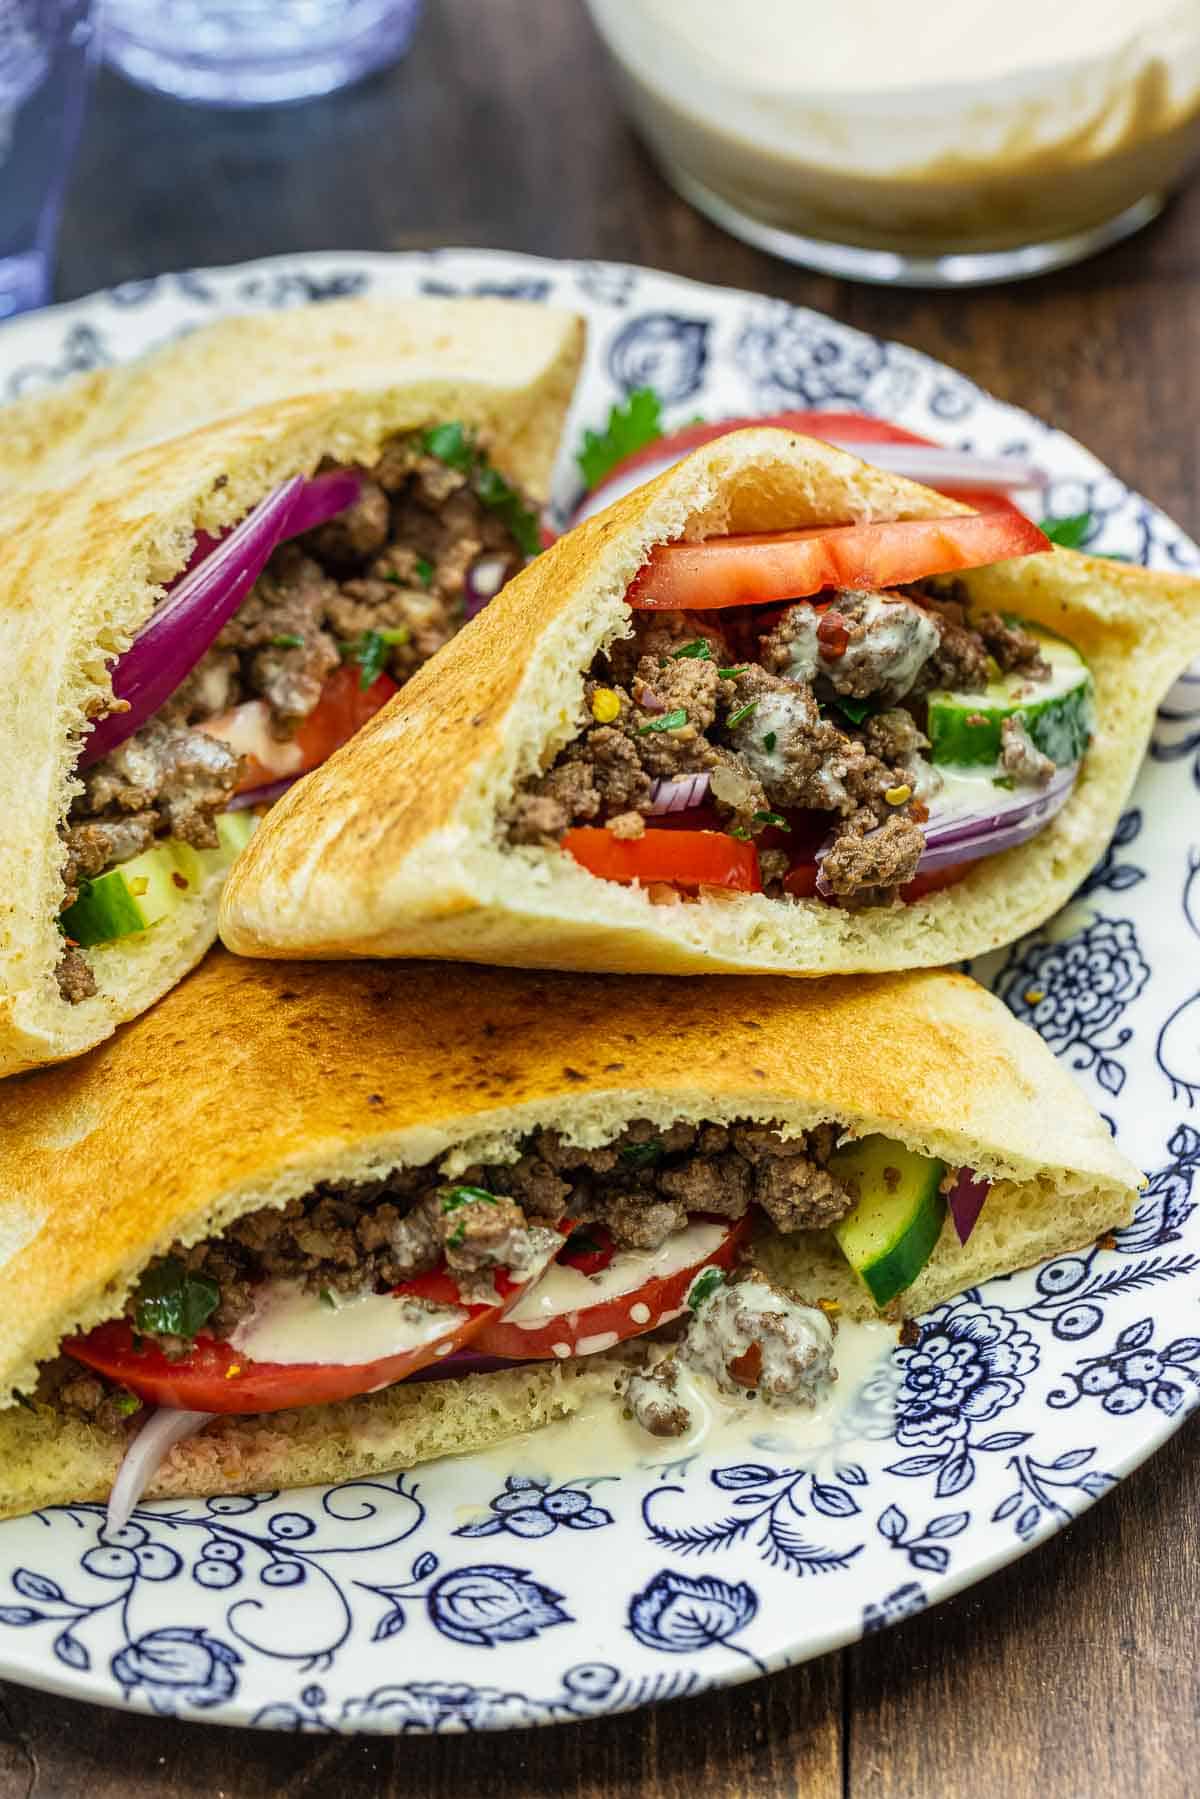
x: 395, y: 561
x: 773, y: 721
x: 641, y: 1187
x: 74, y: 974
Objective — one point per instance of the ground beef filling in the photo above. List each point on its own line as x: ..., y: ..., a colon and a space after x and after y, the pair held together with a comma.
x: 342, y: 1239
x: 765, y: 719
x: 395, y: 561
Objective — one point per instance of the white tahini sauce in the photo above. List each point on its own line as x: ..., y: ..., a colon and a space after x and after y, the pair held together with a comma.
x: 563, y: 1290
x: 600, y: 1439
x: 291, y: 1325
x: 247, y: 730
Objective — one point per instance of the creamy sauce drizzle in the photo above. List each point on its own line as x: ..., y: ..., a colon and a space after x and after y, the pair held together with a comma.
x: 247, y: 731
x: 293, y: 1326
x: 566, y: 1290
x: 600, y: 1440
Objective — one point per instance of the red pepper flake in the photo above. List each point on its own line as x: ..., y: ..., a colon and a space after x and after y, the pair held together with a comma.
x: 746, y: 1368
x: 179, y: 880
x: 833, y: 635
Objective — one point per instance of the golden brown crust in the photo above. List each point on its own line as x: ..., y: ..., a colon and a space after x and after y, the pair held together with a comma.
x: 252, y: 1081
x: 392, y: 848
x: 131, y: 462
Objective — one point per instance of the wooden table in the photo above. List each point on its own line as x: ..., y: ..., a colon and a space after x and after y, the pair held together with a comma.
x: 1072, y: 1673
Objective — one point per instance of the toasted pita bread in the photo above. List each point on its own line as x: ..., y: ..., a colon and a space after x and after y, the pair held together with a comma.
x: 251, y: 1082
x: 394, y: 847
x: 104, y: 484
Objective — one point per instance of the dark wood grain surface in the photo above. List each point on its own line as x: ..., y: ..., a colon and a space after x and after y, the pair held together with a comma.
x: 1072, y: 1673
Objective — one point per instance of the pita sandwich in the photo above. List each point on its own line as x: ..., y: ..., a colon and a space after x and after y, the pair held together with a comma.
x: 421, y: 432
x: 255, y: 1167
x: 509, y: 806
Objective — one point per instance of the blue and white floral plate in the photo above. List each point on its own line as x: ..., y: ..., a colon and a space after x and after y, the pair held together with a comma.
x: 479, y: 1595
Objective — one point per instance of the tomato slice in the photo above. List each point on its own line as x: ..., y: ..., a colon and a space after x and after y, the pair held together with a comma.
x: 214, y: 1377
x: 778, y: 565
x: 637, y: 1291
x: 343, y: 708
x: 933, y: 882
x: 685, y: 858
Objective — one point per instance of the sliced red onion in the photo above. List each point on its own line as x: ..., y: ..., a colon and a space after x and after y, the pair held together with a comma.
x: 261, y: 796
x: 204, y: 599
x: 677, y: 796
x: 484, y: 580
x: 323, y: 498
x: 145, y: 1456
x: 647, y: 699
x: 966, y: 1199
x: 1009, y: 822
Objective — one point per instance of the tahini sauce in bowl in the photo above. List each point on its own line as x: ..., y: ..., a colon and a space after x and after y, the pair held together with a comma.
x: 979, y: 128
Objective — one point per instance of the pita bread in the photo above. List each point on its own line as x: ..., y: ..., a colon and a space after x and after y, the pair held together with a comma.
x: 393, y: 848
x: 103, y: 486
x: 252, y: 1082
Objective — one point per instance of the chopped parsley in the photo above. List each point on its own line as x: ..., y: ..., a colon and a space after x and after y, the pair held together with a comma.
x: 454, y: 445
x: 126, y: 1404
x: 669, y: 721
x: 1068, y: 533
x: 769, y: 743
x: 287, y: 640
x: 173, y: 1303
x: 371, y: 652
x: 740, y: 832
x: 425, y: 571
x: 772, y: 818
x: 731, y: 674
x: 641, y: 1155
x: 699, y: 650
x: 327, y: 1298
x: 1004, y: 781
x: 631, y: 426
x: 703, y: 1287
x: 855, y: 710
x: 454, y: 1197
x: 735, y: 718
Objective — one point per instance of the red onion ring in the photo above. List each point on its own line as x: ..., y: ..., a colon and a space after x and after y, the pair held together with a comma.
x: 203, y: 600
x: 261, y: 796
x: 958, y: 839
x: 677, y: 796
x: 966, y: 1199
x: 145, y: 1456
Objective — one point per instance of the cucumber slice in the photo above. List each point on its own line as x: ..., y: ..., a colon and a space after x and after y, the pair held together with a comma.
x: 891, y: 1233
x: 148, y: 888
x: 964, y: 728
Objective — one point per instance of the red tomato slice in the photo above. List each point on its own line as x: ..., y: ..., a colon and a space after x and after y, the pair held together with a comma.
x: 343, y: 708
x: 611, y: 1317
x: 685, y: 858
x: 779, y: 565
x: 920, y: 884
x: 213, y: 1377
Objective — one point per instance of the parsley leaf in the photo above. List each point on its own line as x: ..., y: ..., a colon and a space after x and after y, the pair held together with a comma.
x: 454, y: 1197
x: 1004, y: 781
x: 772, y: 818
x: 425, y: 571
x: 667, y: 721
x: 630, y: 427
x: 699, y: 650
x: 287, y: 640
x: 1068, y: 533
x: 173, y: 1303
x: 735, y: 718
x: 855, y: 710
x: 641, y: 1155
x: 731, y: 674
x: 769, y: 743
x: 454, y: 445
x: 371, y: 651
x: 703, y: 1287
